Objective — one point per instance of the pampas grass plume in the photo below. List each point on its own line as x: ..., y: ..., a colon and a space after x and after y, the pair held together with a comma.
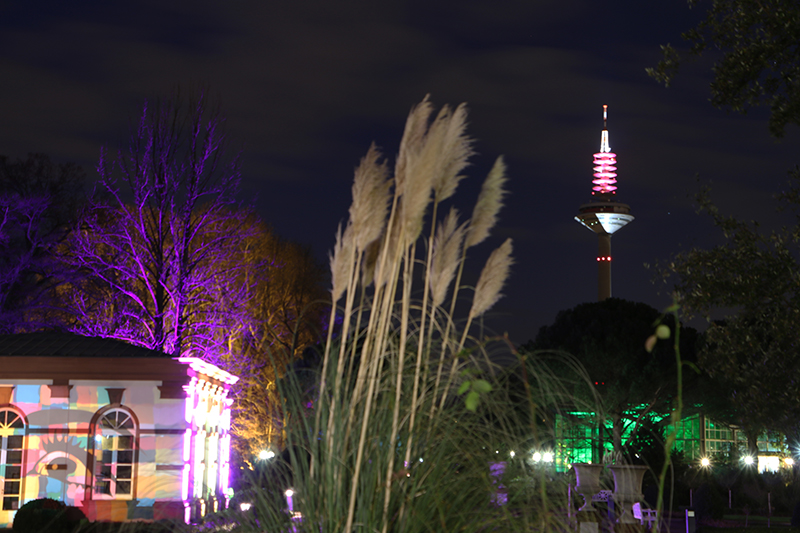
x: 493, y: 277
x: 340, y: 261
x: 411, y: 143
x: 370, y: 199
x: 490, y: 200
x: 446, y: 252
x: 454, y: 152
x: 371, y: 255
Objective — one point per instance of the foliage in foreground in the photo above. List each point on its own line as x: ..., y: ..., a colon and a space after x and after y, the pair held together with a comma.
x: 409, y: 424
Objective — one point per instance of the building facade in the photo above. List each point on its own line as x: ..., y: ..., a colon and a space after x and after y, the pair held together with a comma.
x: 579, y: 438
x: 117, y: 430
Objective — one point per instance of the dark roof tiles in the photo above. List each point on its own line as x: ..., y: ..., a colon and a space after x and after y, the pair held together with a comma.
x: 58, y: 344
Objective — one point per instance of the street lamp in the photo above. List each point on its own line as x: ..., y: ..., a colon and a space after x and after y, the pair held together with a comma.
x: 265, y: 455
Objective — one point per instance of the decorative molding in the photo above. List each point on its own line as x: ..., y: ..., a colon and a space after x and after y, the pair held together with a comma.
x: 5, y: 394
x: 57, y: 431
x: 114, y: 395
x: 172, y: 390
x: 162, y: 431
x: 60, y: 388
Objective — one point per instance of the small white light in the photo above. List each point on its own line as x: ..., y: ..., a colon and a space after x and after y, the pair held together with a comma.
x: 547, y: 457
x: 266, y: 454
x: 748, y: 460
x: 497, y: 451
x: 511, y: 453
x: 705, y: 461
x: 789, y: 461
x: 289, y: 493
x: 537, y: 457
x: 420, y: 460
x: 244, y: 506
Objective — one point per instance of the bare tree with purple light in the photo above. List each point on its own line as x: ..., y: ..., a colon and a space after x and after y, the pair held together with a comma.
x: 162, y: 234
x: 174, y: 263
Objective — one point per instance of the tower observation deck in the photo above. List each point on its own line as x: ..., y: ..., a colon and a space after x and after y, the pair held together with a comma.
x: 604, y: 215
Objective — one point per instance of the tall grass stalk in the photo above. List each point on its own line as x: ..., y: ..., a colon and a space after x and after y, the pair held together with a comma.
x: 677, y: 413
x: 383, y: 442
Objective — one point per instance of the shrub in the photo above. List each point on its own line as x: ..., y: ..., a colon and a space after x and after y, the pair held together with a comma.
x: 709, y: 503
x: 46, y: 515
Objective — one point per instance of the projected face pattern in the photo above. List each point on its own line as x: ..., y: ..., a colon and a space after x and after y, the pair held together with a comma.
x: 58, y: 464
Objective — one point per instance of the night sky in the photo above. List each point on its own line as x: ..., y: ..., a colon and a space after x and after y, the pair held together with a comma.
x: 307, y: 86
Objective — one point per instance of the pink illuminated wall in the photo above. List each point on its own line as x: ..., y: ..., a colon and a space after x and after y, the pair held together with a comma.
x: 206, y: 446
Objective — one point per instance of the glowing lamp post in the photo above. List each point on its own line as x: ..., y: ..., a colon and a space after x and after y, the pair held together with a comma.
x: 289, y: 503
x: 604, y: 215
x: 265, y: 455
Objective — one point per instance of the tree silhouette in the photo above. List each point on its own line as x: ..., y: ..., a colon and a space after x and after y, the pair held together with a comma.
x: 39, y: 202
x: 160, y: 234
x: 174, y: 263
x: 756, y: 61
x: 753, y: 353
x: 608, y: 339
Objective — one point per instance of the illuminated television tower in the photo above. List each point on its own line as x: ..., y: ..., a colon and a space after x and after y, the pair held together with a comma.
x: 604, y: 215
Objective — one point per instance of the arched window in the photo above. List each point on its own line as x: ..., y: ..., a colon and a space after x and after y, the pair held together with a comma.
x: 12, y: 446
x: 115, y: 454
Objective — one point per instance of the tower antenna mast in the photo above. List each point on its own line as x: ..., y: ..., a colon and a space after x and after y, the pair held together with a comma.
x: 604, y: 215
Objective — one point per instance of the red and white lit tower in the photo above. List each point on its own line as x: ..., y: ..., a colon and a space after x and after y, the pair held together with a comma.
x: 604, y: 215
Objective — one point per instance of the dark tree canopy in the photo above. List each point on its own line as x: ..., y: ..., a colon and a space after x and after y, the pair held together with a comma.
x: 39, y: 203
x: 759, y: 63
x: 752, y: 276
x: 753, y: 353
x: 608, y: 339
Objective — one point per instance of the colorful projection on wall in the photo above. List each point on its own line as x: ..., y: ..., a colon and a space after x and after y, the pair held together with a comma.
x: 120, y: 449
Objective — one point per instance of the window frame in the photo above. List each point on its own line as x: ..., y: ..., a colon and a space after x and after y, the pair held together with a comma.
x: 106, y: 454
x: 8, y: 430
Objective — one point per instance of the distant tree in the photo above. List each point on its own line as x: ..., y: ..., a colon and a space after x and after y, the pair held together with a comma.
x: 160, y: 232
x: 176, y: 264
x: 759, y: 57
x: 286, y: 313
x: 39, y: 202
x: 753, y: 353
x: 608, y: 339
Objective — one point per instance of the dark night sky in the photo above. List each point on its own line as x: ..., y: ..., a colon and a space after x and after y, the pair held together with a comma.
x: 307, y: 85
